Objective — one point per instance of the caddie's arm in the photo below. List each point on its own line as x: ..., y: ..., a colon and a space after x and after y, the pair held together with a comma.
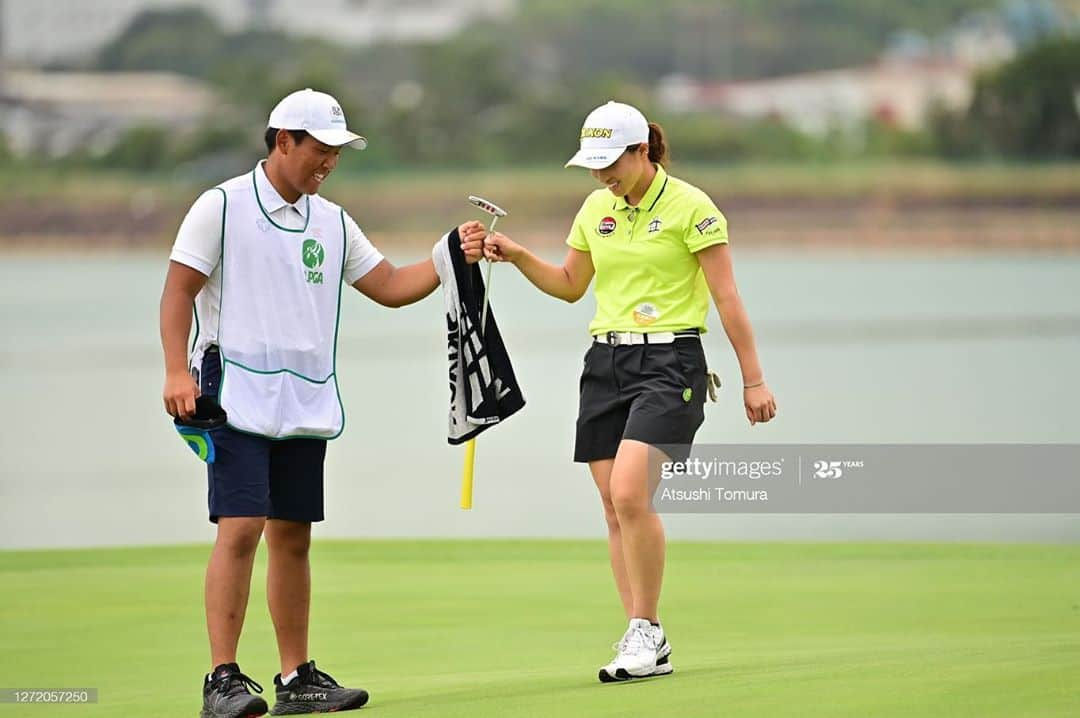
x: 182, y: 283
x: 393, y: 286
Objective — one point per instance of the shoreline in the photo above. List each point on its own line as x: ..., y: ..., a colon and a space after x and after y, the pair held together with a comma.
x: 892, y: 206
x: 851, y: 226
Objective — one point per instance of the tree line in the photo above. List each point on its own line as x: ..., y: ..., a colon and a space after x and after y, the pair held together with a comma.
x: 515, y: 91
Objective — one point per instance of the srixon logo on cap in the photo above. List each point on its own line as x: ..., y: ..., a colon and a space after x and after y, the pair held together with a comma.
x: 606, y: 226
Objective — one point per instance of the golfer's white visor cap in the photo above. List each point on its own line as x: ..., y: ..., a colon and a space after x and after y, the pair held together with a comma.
x: 318, y: 114
x: 607, y: 132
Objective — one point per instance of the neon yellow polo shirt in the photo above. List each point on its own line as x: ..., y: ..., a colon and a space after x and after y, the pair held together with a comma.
x: 647, y: 277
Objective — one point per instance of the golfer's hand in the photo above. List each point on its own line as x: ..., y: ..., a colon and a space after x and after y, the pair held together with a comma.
x: 180, y: 394
x: 500, y: 248
x: 760, y: 404
x: 472, y: 241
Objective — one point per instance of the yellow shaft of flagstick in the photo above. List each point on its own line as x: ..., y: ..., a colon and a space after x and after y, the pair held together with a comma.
x: 470, y: 445
x: 467, y: 474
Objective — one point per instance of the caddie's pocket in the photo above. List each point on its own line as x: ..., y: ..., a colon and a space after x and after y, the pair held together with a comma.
x: 210, y: 372
x: 198, y: 431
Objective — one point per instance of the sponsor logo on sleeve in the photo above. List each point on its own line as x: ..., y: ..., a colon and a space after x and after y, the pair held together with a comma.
x: 705, y: 224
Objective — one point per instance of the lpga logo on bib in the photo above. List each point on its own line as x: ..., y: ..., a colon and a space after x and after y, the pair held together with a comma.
x: 312, y: 254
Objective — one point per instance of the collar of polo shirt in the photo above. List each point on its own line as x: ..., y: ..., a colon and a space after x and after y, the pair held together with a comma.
x: 269, y: 197
x: 649, y: 199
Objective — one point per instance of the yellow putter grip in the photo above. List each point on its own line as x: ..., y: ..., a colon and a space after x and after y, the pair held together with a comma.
x: 467, y: 474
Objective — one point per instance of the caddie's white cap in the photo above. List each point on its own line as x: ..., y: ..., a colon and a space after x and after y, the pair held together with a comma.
x: 318, y: 114
x: 607, y: 132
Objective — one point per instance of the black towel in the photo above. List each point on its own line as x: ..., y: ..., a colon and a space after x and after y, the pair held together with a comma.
x: 483, y: 388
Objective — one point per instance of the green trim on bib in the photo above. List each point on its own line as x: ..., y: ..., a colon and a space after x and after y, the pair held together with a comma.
x: 337, y: 323
x: 307, y: 206
x: 195, y: 339
x: 221, y: 259
x: 268, y: 372
x: 337, y: 388
x: 284, y: 438
x: 225, y: 361
x: 221, y: 300
x: 194, y: 306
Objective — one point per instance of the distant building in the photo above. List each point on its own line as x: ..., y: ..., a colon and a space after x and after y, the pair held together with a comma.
x: 914, y: 74
x: 364, y: 22
x: 59, y: 112
x: 40, y: 32
x: 897, y: 93
x: 981, y: 39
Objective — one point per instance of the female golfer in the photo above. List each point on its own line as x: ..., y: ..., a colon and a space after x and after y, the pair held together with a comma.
x: 658, y: 247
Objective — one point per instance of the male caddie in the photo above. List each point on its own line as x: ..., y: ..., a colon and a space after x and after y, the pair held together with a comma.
x: 262, y: 257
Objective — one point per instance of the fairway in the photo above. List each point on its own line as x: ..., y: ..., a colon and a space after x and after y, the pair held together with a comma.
x: 518, y: 628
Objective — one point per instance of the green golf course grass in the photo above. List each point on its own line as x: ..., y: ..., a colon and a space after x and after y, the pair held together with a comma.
x: 518, y: 628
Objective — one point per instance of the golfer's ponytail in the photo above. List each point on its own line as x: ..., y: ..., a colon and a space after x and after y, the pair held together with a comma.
x: 658, y: 149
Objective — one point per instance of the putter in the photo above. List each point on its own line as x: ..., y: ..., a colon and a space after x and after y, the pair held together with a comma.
x: 495, y: 211
x: 470, y: 446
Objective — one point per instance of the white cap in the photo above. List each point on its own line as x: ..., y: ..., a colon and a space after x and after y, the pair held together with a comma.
x: 607, y: 132
x: 319, y: 115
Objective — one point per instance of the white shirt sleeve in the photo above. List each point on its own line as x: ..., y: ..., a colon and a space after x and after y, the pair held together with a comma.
x: 360, y: 254
x: 198, y: 241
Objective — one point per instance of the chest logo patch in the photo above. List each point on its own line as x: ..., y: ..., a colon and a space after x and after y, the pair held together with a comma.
x: 606, y: 226
x: 645, y: 314
x: 313, y: 255
x: 654, y: 226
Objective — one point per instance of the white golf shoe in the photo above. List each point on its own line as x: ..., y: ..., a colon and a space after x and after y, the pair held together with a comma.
x: 643, y: 652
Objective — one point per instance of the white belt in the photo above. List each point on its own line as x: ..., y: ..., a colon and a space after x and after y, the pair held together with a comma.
x: 617, y: 338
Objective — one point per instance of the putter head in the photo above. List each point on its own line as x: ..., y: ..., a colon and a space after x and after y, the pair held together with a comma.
x: 492, y: 209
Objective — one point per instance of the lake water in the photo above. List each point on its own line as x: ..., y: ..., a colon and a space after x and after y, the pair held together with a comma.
x: 871, y: 348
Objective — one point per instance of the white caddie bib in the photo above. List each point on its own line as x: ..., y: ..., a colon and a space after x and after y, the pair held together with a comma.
x: 280, y: 302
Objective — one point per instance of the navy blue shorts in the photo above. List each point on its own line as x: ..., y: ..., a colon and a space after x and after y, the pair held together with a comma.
x: 256, y: 476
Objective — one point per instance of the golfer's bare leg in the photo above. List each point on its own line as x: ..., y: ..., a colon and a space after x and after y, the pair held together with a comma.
x: 601, y: 473
x: 228, y: 582
x: 288, y: 589
x: 642, y: 531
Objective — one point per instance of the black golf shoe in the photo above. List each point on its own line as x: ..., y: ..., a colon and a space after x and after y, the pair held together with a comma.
x: 313, y: 691
x: 227, y: 694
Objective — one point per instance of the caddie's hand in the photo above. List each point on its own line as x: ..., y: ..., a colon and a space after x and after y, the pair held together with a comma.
x: 180, y: 394
x: 472, y: 235
x: 500, y: 248
x: 760, y: 404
